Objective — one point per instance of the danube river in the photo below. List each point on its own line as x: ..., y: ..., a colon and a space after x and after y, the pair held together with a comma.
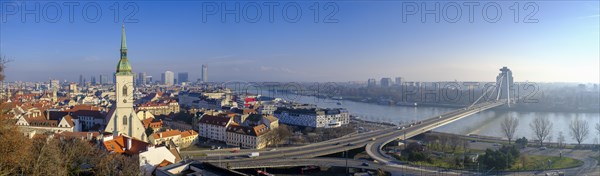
x: 484, y: 123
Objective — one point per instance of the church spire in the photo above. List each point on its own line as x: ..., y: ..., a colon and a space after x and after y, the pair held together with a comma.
x: 123, y: 38
x: 123, y: 68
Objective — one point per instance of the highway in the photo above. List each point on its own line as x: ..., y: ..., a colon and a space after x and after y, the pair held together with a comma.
x: 338, y: 162
x: 306, y: 151
x: 373, y: 142
x: 374, y: 147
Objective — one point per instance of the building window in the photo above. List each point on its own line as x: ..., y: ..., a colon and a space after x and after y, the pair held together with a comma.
x: 124, y: 120
x: 125, y: 90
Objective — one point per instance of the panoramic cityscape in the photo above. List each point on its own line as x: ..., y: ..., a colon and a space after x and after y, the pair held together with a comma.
x: 299, y: 88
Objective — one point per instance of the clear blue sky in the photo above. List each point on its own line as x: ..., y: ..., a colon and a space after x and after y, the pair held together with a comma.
x: 370, y: 40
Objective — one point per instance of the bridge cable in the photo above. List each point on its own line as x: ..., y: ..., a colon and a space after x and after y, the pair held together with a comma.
x: 500, y: 87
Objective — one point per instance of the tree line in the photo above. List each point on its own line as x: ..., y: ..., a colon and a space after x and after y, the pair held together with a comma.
x: 542, y: 127
x: 20, y: 155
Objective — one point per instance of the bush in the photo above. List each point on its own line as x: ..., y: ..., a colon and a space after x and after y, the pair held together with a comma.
x: 500, y: 159
x: 416, y: 152
x: 522, y: 142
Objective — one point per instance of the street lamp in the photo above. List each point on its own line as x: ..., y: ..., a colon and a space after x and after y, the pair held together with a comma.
x: 346, y: 157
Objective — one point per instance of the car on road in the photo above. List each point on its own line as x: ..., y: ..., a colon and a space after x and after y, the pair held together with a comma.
x: 273, y: 149
x: 235, y: 151
x: 496, y: 144
x: 253, y: 155
x: 543, y: 148
x: 365, y: 164
x: 350, y: 144
x: 337, y: 143
x: 230, y: 157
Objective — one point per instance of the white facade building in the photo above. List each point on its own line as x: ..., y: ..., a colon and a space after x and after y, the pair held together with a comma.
x: 247, y: 137
x: 154, y: 156
x: 316, y: 118
x: 213, y: 127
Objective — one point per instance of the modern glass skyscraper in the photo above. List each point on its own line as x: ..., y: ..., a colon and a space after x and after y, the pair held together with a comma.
x: 142, y: 78
x: 103, y: 79
x: 93, y: 80
x: 204, y: 73
x: 182, y: 77
x: 81, y: 82
x: 168, y: 77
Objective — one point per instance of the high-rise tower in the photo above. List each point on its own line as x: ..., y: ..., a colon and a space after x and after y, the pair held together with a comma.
x: 182, y: 77
x: 168, y: 78
x: 504, y: 84
x: 123, y: 119
x: 204, y: 73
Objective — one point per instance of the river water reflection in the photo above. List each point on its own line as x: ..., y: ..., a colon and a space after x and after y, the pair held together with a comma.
x: 484, y: 123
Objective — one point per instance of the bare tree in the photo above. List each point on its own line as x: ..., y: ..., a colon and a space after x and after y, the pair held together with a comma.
x: 598, y: 128
x: 509, y: 127
x: 465, y: 144
x: 541, y: 128
x: 443, y: 142
x: 579, y: 130
x: 561, y: 139
x: 455, y: 142
x: 275, y: 136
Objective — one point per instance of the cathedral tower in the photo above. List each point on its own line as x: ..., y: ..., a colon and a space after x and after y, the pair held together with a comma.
x: 123, y: 119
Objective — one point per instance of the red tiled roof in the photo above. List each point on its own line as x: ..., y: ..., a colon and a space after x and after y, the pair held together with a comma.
x: 215, y: 120
x: 246, y: 130
x: 154, y: 123
x: 69, y: 120
x: 249, y: 111
x: 119, y: 143
x: 188, y: 133
x: 83, y: 107
x: 89, y: 113
x: 41, y: 122
x: 166, y: 134
x: 164, y: 163
x: 152, y: 104
x: 55, y: 115
x: 157, y: 124
x: 146, y: 122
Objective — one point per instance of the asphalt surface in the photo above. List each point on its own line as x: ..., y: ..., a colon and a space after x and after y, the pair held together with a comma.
x: 589, y: 167
x: 374, y: 148
x: 338, y: 162
x: 373, y: 142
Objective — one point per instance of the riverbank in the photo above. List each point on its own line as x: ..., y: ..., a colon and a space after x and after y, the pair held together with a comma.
x: 533, y: 160
x: 485, y: 123
x: 516, y: 107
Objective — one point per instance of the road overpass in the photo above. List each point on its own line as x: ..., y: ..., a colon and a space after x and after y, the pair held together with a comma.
x: 374, y: 148
x: 337, y: 162
x: 372, y: 141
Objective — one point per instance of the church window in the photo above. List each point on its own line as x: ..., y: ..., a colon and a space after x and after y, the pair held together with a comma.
x: 125, y: 90
x: 124, y: 120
